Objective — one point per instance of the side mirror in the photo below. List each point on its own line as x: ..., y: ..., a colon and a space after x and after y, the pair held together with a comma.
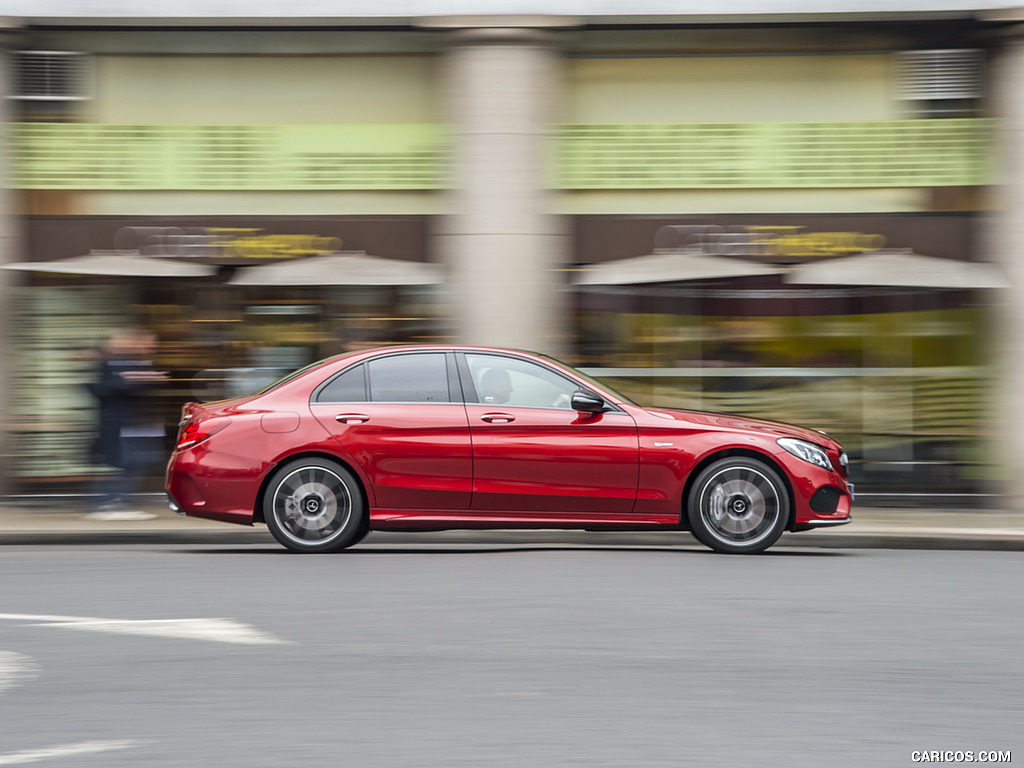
x: 588, y: 402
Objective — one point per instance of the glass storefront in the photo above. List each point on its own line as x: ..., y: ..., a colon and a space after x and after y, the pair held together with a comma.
x: 216, y: 339
x: 901, y: 377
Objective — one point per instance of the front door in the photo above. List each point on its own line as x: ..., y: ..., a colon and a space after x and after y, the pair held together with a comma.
x: 533, y: 453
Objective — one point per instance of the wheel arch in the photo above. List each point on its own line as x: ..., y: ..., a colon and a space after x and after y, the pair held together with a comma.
x: 257, y: 513
x: 748, y: 453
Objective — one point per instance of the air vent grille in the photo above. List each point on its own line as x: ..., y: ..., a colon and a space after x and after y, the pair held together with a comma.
x: 939, y: 74
x: 51, y: 76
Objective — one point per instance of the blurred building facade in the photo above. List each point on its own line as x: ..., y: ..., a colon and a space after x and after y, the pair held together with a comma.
x: 643, y: 192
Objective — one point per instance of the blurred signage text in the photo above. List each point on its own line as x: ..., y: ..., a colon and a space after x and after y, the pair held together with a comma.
x: 775, y: 238
x: 220, y: 244
x: 228, y: 240
x: 778, y: 244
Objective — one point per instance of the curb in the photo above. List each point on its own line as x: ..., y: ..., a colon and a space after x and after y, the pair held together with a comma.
x: 553, y: 539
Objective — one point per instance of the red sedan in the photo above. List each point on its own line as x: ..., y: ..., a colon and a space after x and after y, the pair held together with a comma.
x: 426, y: 437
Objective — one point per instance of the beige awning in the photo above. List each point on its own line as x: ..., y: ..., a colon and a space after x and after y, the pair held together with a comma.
x: 116, y: 264
x: 899, y: 268
x: 356, y: 268
x: 670, y: 267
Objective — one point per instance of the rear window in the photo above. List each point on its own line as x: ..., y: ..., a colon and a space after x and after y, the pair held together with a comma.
x: 416, y: 378
x: 296, y: 374
x: 347, y: 387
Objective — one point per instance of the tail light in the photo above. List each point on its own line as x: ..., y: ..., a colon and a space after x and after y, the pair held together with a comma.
x: 194, y: 432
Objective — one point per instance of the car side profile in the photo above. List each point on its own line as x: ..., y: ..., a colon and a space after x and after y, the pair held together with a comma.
x: 431, y: 438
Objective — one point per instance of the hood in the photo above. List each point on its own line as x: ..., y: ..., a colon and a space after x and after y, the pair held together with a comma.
x: 706, y: 420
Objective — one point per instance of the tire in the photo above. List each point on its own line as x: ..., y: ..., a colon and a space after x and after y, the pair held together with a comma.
x: 315, y: 505
x: 738, y: 506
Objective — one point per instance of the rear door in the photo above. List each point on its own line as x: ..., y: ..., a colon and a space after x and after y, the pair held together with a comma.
x: 401, y: 417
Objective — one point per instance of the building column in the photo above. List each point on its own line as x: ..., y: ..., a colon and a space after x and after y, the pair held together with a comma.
x: 10, y: 246
x: 1004, y: 245
x: 501, y: 242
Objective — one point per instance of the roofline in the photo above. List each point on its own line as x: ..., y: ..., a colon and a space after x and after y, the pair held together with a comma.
x: 460, y: 14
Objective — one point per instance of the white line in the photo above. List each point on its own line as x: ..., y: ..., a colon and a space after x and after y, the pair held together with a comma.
x: 62, y: 750
x: 215, y: 630
x: 38, y: 617
x: 15, y: 668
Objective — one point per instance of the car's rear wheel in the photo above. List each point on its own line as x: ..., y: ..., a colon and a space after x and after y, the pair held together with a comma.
x: 738, y: 505
x: 315, y: 505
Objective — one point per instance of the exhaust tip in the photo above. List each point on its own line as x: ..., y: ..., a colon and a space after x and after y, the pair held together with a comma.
x: 175, y: 507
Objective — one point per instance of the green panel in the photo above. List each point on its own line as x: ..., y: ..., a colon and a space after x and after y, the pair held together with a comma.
x: 905, y: 153
x: 227, y: 157
x: 902, y: 153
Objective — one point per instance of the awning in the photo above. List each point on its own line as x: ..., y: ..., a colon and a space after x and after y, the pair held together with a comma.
x: 357, y: 268
x: 116, y: 264
x: 670, y: 267
x: 902, y: 268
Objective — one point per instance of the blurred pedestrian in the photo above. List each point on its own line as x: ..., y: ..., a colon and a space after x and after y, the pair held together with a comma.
x: 129, y: 433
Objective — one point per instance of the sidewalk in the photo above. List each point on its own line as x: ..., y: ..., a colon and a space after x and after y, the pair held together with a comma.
x: 38, y: 522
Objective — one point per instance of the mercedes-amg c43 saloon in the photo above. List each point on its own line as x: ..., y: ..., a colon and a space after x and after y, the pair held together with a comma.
x: 431, y: 438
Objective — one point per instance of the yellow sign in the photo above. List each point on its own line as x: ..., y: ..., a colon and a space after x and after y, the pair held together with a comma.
x: 221, y: 244
x: 778, y: 244
x: 796, y: 244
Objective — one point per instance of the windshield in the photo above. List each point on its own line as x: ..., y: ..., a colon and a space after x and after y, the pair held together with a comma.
x: 594, y: 382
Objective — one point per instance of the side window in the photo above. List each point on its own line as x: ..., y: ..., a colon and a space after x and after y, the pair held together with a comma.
x: 415, y: 378
x: 508, y: 381
x: 349, y: 387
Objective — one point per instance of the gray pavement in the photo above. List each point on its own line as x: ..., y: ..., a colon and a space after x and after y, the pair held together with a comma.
x: 64, y: 521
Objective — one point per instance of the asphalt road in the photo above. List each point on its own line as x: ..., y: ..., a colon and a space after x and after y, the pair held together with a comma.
x: 420, y: 655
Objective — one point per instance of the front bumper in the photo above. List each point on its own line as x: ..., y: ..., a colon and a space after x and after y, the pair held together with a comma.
x: 812, y: 524
x: 821, y: 497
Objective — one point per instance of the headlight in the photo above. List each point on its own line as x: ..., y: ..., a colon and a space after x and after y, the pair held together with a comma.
x: 809, y: 452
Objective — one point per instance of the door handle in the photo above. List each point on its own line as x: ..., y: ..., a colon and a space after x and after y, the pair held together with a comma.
x: 352, y: 418
x: 497, y: 418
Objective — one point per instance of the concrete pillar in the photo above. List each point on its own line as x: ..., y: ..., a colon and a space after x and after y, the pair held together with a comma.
x: 1004, y: 245
x: 10, y: 244
x: 501, y: 242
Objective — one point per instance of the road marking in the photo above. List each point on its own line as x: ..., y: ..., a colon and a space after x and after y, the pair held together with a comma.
x: 14, y: 669
x: 215, y: 630
x: 62, y: 750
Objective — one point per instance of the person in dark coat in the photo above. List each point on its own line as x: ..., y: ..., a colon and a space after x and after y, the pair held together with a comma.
x: 129, y: 438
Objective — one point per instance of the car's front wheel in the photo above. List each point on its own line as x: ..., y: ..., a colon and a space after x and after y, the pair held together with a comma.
x: 738, y: 505
x: 315, y: 505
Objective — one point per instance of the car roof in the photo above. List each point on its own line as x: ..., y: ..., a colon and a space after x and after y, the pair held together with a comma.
x: 435, y: 348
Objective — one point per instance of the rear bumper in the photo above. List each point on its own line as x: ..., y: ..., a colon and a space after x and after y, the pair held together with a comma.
x: 215, y: 488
